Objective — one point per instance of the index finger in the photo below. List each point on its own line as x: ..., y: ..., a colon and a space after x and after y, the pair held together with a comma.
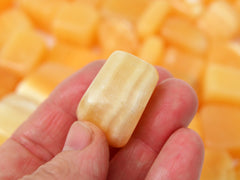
x: 43, y: 135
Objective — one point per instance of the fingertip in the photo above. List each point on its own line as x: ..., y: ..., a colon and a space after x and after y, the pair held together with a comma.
x: 184, y: 95
x: 192, y: 138
x: 190, y: 145
x: 181, y: 156
x: 97, y: 132
x: 79, y: 136
x: 163, y: 74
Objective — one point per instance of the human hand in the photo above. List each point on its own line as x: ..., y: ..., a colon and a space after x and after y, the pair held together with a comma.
x: 161, y: 147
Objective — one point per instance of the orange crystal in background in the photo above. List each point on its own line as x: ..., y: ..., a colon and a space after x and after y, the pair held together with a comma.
x: 181, y: 32
x: 42, y: 42
x: 218, y: 165
x: 11, y: 21
x: 8, y: 81
x: 225, y: 120
x: 39, y: 84
x: 76, y: 23
x: 23, y: 52
x: 121, y: 36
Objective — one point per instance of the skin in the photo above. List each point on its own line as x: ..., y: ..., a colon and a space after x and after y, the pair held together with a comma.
x: 52, y: 144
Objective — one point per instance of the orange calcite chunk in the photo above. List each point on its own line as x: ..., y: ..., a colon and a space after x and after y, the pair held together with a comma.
x: 118, y: 95
x: 221, y: 126
x: 40, y: 83
x: 186, y: 66
x: 237, y: 169
x: 42, y: 12
x: 219, y: 20
x: 117, y: 34
x: 71, y: 56
x: 237, y: 7
x: 131, y: 10
x: 4, y: 4
x: 190, y: 9
x: 95, y: 3
x: 151, y: 19
x: 23, y: 51
x: 10, y: 22
x: 14, y: 110
x: 225, y: 53
x: 221, y: 84
x: 182, y: 33
x: 76, y: 23
x: 8, y: 81
x: 152, y: 50
x: 218, y: 165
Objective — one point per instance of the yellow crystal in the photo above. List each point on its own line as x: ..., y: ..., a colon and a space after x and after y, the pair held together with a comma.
x: 118, y: 95
x: 14, y: 110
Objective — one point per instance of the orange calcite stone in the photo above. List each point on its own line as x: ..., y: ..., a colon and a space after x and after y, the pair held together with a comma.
x: 131, y: 10
x: 117, y: 33
x: 4, y: 4
x: 218, y: 165
x: 219, y: 21
x: 8, y: 81
x: 152, y: 50
x: 237, y: 169
x: 118, y: 95
x: 182, y: 33
x: 152, y: 18
x: 178, y: 63
x: 42, y: 42
x: 11, y: 21
x: 42, y: 12
x: 23, y: 51
x: 221, y: 126
x: 237, y: 7
x: 14, y: 110
x: 225, y: 53
x: 95, y: 3
x: 221, y: 84
x: 187, y: 8
x: 76, y: 23
x: 40, y: 83
x: 71, y: 56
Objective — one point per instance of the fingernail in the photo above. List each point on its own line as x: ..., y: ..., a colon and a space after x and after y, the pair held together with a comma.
x: 79, y: 137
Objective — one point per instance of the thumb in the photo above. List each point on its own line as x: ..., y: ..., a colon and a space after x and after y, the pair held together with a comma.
x: 85, y: 156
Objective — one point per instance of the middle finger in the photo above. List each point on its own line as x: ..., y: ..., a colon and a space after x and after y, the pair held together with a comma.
x: 171, y: 107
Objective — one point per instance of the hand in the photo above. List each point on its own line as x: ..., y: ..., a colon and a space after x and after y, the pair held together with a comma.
x: 51, y: 144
